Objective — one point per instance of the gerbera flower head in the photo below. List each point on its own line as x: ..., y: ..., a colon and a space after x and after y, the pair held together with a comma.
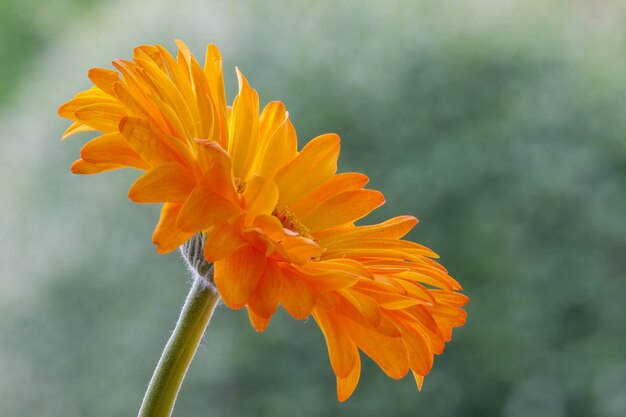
x: 277, y: 223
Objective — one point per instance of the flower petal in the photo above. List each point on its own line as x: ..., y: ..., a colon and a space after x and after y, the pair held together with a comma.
x: 260, y: 197
x: 335, y: 185
x: 148, y: 143
x: 222, y: 241
x: 259, y: 323
x: 237, y: 275
x: 112, y: 148
x: 281, y: 148
x: 205, y: 208
x: 347, y: 385
x: 83, y: 167
x: 264, y: 300
x: 169, y: 182
x: 345, y: 207
x: 167, y: 236
x: 104, y: 79
x: 313, y: 166
x: 296, y: 296
x: 104, y: 117
x: 388, y: 352
x: 244, y: 128
x: 341, y: 350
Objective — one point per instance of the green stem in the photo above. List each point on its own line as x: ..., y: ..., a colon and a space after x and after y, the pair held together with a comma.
x: 169, y: 374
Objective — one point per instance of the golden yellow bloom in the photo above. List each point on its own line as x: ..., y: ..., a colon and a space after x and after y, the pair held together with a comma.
x: 279, y: 224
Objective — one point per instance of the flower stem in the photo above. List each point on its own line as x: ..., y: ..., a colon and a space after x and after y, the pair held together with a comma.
x: 169, y: 374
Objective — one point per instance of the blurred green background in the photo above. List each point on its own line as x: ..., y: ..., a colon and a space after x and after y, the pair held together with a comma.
x: 500, y: 124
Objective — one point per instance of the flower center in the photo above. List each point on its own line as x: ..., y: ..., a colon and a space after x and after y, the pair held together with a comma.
x: 290, y: 221
x: 282, y: 213
x: 240, y: 184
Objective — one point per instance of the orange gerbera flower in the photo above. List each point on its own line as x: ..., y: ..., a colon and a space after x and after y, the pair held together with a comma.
x: 278, y: 224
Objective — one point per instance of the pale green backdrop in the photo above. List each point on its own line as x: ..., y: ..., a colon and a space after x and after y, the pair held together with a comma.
x: 501, y: 125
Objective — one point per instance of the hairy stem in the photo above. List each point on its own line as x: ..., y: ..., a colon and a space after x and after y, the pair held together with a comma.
x: 180, y: 349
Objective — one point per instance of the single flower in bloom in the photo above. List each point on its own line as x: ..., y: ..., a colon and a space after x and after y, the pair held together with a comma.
x: 278, y: 223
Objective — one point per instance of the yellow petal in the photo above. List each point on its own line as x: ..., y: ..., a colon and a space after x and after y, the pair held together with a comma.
x: 260, y: 197
x: 238, y: 275
x: 313, y: 166
x: 281, y: 148
x: 244, y: 128
x: 104, y: 117
x: 75, y: 128
x: 419, y: 380
x: 148, y: 143
x: 104, y: 79
x: 273, y: 116
x: 215, y: 79
x: 204, y: 209
x: 169, y: 182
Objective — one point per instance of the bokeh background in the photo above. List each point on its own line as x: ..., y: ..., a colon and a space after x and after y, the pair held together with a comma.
x: 500, y: 124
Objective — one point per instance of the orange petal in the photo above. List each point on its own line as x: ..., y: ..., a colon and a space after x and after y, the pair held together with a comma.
x: 394, y: 228
x: 311, y: 168
x: 364, y: 304
x: 388, y: 352
x: 341, y: 350
x: 219, y: 171
x: 446, y: 316
x: 169, y: 182
x: 237, y: 276
x: 84, y: 167
x: 259, y: 323
x: 296, y: 296
x: 112, y: 148
x: 390, y: 300
x: 380, y: 243
x: 204, y: 209
x: 337, y: 184
x: 347, y: 385
x: 299, y: 250
x: 222, y: 241
x: 345, y: 207
x: 167, y: 236
x: 328, y: 276
x: 264, y: 299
